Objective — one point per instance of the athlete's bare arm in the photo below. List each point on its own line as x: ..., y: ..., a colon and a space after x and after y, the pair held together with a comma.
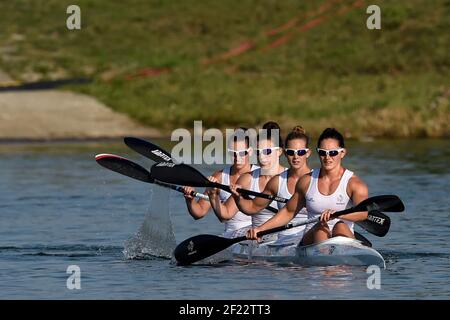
x: 227, y: 210
x: 199, y: 208
x: 358, y: 191
x: 253, y: 206
x: 286, y: 214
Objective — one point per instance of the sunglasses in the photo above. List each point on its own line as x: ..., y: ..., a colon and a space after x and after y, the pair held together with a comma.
x: 239, y: 153
x: 331, y: 153
x: 266, y: 151
x: 299, y: 152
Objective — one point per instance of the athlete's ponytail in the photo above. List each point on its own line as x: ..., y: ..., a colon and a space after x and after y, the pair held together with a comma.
x: 298, y: 132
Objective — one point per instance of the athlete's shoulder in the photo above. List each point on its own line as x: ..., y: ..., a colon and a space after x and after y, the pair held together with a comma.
x: 272, y: 185
x: 356, y: 181
x: 218, y: 174
x: 245, y: 177
x: 356, y: 185
x: 303, y: 182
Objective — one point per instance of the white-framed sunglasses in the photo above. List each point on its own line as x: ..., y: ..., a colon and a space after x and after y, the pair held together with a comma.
x: 331, y: 153
x: 239, y: 153
x: 266, y: 151
x: 299, y: 152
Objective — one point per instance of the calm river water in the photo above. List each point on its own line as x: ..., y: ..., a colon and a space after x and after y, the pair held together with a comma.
x: 58, y: 208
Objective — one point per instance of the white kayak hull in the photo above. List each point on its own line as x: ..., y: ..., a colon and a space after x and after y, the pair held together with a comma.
x: 333, y: 251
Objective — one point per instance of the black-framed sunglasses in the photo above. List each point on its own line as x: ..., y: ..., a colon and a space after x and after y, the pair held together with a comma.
x: 331, y: 153
x: 299, y: 152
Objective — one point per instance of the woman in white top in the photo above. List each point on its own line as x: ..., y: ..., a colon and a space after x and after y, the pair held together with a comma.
x: 240, y: 151
x: 283, y: 185
x: 269, y: 152
x: 322, y: 192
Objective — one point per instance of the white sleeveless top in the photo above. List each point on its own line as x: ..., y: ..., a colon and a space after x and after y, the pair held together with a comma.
x: 240, y: 219
x: 316, y: 202
x: 301, y: 216
x: 264, y: 215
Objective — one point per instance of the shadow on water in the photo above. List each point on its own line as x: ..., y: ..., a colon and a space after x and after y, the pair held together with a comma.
x: 62, y: 250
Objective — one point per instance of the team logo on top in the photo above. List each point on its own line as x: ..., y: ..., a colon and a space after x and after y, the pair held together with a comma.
x: 340, y: 199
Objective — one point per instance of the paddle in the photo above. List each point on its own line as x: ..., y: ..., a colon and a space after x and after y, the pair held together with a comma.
x: 202, y: 246
x: 364, y: 240
x: 135, y: 171
x: 148, y: 149
x: 389, y: 203
x: 188, y: 176
x: 376, y: 223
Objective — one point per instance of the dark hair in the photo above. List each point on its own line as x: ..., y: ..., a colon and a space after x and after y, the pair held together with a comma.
x: 238, y: 137
x: 270, y: 126
x: 331, y: 133
x: 297, y: 133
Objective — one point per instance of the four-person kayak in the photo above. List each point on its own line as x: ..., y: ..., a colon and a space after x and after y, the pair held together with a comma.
x: 334, y: 251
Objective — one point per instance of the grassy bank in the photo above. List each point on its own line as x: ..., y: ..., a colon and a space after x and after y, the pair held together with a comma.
x: 392, y: 82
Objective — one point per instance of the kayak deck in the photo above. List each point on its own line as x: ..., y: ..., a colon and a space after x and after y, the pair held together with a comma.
x: 333, y: 251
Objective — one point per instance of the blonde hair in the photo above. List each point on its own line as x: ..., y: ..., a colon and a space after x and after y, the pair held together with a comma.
x: 298, y: 132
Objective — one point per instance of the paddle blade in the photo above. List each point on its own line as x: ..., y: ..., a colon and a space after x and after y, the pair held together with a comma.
x: 124, y: 166
x: 389, y: 203
x: 148, y: 149
x: 376, y: 223
x: 200, y: 247
x: 364, y: 240
x: 180, y: 174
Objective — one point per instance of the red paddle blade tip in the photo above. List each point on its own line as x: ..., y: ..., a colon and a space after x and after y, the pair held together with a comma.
x: 106, y: 155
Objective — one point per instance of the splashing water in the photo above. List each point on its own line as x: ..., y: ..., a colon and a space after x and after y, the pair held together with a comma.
x: 155, y: 238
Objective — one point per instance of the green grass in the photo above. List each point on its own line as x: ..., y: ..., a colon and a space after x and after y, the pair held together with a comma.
x: 392, y: 82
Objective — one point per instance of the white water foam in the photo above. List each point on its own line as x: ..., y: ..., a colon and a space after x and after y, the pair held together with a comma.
x: 155, y: 237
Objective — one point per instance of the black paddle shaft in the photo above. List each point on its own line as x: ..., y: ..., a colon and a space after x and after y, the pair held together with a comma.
x: 248, y: 192
x: 186, y: 175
